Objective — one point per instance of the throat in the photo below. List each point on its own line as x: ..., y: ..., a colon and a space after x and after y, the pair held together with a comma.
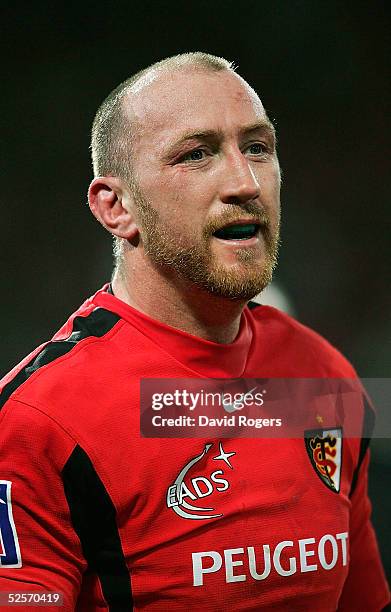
x: 190, y: 310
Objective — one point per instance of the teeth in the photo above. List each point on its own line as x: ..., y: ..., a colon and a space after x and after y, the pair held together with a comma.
x: 237, y: 232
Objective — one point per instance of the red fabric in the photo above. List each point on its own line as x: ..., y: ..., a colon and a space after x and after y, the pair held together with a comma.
x: 274, y: 498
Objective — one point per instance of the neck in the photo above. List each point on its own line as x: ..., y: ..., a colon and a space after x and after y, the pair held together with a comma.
x: 178, y: 303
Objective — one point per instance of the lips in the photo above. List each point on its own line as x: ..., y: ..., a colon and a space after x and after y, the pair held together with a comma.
x: 237, y: 231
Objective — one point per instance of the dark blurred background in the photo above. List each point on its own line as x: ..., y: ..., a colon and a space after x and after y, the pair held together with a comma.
x: 322, y: 71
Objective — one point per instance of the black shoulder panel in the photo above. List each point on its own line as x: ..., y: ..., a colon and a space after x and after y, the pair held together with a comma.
x: 97, y: 323
x: 253, y: 305
x: 367, y: 430
x: 93, y: 516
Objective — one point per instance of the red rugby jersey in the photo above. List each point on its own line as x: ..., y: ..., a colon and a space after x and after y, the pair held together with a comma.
x: 87, y: 506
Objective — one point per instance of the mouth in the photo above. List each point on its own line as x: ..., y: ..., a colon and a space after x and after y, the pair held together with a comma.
x: 239, y: 230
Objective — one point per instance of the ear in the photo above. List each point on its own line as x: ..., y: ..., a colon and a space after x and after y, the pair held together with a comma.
x: 112, y: 203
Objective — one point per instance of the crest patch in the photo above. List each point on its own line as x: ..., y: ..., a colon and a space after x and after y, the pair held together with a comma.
x: 324, y: 448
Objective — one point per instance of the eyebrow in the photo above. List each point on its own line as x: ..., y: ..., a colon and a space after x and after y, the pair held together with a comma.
x: 264, y: 126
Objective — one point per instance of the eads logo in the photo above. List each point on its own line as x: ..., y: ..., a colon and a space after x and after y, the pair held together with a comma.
x: 194, y: 488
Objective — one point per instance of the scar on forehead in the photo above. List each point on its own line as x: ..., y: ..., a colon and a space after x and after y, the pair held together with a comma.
x: 240, y: 96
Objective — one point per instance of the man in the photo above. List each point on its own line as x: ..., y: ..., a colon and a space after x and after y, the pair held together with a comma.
x: 187, y: 181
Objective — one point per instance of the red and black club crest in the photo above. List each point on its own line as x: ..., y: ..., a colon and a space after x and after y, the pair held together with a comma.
x: 324, y: 448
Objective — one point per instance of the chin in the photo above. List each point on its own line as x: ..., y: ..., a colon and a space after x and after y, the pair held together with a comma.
x: 238, y: 285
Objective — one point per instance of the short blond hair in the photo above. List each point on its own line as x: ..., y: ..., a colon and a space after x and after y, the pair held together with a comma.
x: 112, y: 129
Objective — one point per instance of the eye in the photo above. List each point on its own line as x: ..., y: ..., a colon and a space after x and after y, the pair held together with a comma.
x: 194, y: 155
x: 257, y: 148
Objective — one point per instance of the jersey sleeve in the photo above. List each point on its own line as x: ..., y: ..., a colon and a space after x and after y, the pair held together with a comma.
x: 366, y: 586
x: 39, y: 549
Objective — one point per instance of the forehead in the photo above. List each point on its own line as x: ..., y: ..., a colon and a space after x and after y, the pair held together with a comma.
x: 169, y: 103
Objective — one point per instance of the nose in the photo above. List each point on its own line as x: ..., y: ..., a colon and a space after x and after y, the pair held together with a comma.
x: 240, y: 184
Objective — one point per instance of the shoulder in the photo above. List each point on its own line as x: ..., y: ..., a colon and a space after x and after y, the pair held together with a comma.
x: 63, y: 361
x: 300, y: 342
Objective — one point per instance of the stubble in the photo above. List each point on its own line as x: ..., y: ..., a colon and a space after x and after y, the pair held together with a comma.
x: 197, y: 263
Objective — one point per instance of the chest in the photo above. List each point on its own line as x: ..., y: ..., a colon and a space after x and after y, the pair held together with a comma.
x: 198, y: 517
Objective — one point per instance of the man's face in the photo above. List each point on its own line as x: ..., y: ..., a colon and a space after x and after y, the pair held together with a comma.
x: 207, y: 181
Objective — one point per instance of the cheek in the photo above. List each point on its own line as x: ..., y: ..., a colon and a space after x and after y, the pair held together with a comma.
x: 191, y: 185
x: 274, y: 184
x: 270, y: 194
x: 180, y: 198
